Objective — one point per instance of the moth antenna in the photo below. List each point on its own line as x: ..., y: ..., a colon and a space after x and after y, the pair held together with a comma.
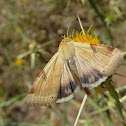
x: 69, y: 27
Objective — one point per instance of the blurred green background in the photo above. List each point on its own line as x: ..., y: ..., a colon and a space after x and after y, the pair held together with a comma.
x: 30, y: 32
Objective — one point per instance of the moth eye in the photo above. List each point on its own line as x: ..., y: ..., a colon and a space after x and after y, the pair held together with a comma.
x: 52, y: 97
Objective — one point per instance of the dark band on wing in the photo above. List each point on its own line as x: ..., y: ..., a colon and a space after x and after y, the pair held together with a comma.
x: 68, y: 85
x: 66, y: 90
x: 90, y: 77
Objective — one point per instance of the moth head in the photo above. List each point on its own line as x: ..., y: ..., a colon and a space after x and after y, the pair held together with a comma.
x: 65, y: 41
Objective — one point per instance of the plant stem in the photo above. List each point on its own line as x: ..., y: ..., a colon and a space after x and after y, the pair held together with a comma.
x: 92, y: 3
x: 82, y: 105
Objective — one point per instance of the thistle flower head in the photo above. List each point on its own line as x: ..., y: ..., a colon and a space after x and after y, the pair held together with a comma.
x: 85, y: 37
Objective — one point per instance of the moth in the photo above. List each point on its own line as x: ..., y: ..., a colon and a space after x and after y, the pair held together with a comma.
x: 76, y: 64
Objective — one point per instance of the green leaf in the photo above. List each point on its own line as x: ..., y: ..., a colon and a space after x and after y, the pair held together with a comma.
x: 114, y: 94
x: 13, y: 100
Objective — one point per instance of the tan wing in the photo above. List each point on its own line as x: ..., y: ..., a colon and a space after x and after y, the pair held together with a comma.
x: 87, y: 75
x: 46, y: 87
x: 68, y: 86
x: 105, y: 59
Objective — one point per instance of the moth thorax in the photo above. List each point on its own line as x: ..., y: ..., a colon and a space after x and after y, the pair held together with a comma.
x: 66, y: 48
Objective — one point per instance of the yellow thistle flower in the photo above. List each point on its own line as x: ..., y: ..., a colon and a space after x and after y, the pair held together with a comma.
x: 18, y: 29
x: 26, y: 1
x: 88, y: 38
x: 19, y: 62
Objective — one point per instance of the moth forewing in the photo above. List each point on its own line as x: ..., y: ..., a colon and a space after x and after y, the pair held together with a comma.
x: 105, y: 59
x: 45, y: 88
